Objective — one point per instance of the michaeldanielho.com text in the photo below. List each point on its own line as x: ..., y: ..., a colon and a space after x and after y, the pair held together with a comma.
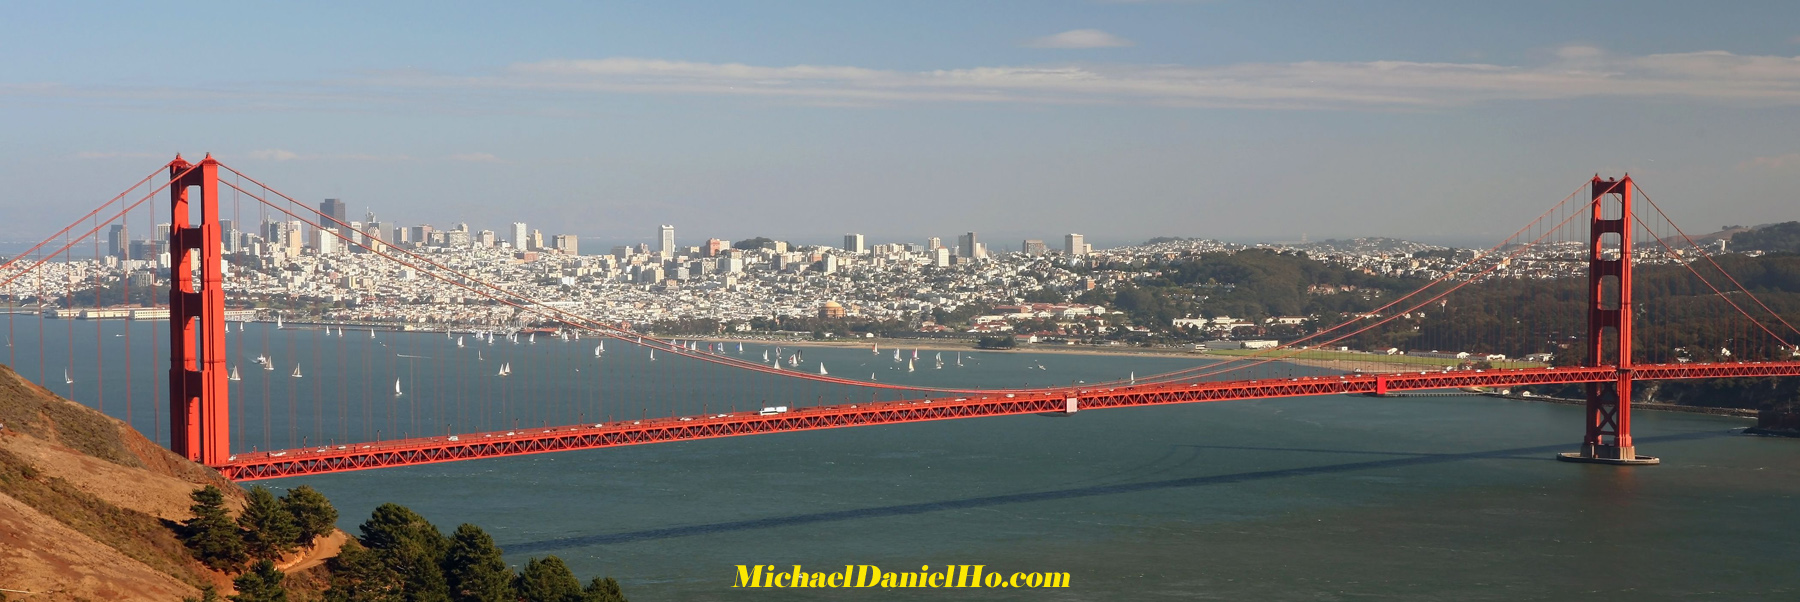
x: 864, y: 575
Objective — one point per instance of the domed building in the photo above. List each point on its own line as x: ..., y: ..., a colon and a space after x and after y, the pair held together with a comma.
x: 831, y: 309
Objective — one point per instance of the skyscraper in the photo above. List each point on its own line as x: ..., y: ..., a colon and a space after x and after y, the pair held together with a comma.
x: 333, y: 209
x: 853, y: 243
x: 665, y: 242
x: 118, y: 242
x: 965, y: 245
x: 1074, y: 245
x: 518, y: 236
x: 568, y: 244
x: 1034, y: 247
x: 934, y: 243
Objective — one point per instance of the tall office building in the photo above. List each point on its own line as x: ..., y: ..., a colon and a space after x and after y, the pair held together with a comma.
x: 518, y: 236
x: 853, y: 243
x: 332, y: 209
x: 1074, y: 245
x: 229, y: 237
x: 1034, y: 246
x: 537, y: 240
x: 934, y: 243
x: 118, y: 242
x: 567, y: 244
x: 965, y: 245
x: 665, y: 240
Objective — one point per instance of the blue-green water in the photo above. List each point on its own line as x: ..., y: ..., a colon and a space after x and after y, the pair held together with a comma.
x: 1326, y: 498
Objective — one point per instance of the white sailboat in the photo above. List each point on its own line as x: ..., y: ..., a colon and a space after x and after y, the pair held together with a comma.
x: 909, y: 365
x: 278, y: 325
x: 296, y: 373
x: 340, y: 332
x: 875, y: 349
x: 596, y: 351
x: 533, y: 339
x: 896, y: 355
x: 652, y: 355
x: 1133, y: 377
x: 459, y: 342
x: 740, y: 346
x: 822, y: 371
x: 240, y: 329
x: 959, y: 358
x: 397, y: 392
x: 371, y: 333
x: 505, y: 369
x: 915, y: 354
x: 478, y: 357
x: 234, y: 374
x: 66, y: 378
x: 765, y: 355
x: 268, y: 364
x: 601, y: 347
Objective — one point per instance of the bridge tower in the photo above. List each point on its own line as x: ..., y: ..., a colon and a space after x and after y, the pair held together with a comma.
x: 1608, y: 437
x: 199, y: 412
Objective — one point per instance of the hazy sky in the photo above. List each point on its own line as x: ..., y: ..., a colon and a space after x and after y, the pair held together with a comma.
x: 1441, y: 121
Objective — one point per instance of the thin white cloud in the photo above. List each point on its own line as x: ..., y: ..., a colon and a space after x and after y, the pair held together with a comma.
x: 566, y: 86
x: 276, y: 154
x: 121, y: 155
x: 1079, y: 38
x: 476, y: 158
x: 1789, y: 161
x: 273, y: 154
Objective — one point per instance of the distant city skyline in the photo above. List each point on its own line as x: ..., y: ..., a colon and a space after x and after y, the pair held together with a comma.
x: 1451, y: 123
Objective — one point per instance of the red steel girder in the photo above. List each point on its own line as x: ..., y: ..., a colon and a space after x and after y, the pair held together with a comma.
x: 328, y: 459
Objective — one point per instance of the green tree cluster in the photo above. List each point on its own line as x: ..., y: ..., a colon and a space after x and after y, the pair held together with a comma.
x: 401, y: 557
x: 1777, y: 238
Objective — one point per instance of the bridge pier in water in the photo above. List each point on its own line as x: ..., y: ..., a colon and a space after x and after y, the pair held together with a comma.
x: 1608, y: 415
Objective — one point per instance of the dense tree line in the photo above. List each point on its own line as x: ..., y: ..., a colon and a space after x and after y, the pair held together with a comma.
x: 401, y: 557
x: 398, y: 556
x: 1777, y: 238
x: 268, y: 529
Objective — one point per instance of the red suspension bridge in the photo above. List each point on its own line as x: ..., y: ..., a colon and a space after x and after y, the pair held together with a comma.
x: 1602, y: 225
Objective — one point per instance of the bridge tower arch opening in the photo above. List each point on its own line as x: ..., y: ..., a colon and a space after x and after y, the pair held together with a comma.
x: 199, y: 389
x: 1608, y: 414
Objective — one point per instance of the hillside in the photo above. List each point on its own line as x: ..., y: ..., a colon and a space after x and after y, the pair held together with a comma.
x: 86, y: 504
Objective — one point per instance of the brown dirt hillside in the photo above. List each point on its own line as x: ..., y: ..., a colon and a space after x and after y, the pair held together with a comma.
x: 85, y: 502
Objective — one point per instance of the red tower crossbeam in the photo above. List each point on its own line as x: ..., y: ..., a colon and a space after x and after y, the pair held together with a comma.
x: 431, y: 450
x: 199, y: 405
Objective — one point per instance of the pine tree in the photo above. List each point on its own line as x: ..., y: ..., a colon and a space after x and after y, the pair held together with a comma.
x: 262, y: 583
x: 359, y: 575
x: 269, y: 531
x: 548, y: 580
x: 604, y: 590
x: 411, y: 549
x: 474, y: 570
x: 211, y: 533
x: 312, y: 513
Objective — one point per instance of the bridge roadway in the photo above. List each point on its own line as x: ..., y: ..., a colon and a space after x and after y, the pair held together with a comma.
x: 534, y: 440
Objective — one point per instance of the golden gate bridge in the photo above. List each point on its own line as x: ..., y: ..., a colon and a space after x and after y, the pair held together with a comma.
x: 1603, y: 218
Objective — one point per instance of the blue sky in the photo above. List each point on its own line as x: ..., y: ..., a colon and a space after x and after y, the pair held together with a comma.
x: 1443, y: 121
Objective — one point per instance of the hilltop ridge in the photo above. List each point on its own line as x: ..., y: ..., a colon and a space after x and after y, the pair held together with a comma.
x: 86, y: 503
